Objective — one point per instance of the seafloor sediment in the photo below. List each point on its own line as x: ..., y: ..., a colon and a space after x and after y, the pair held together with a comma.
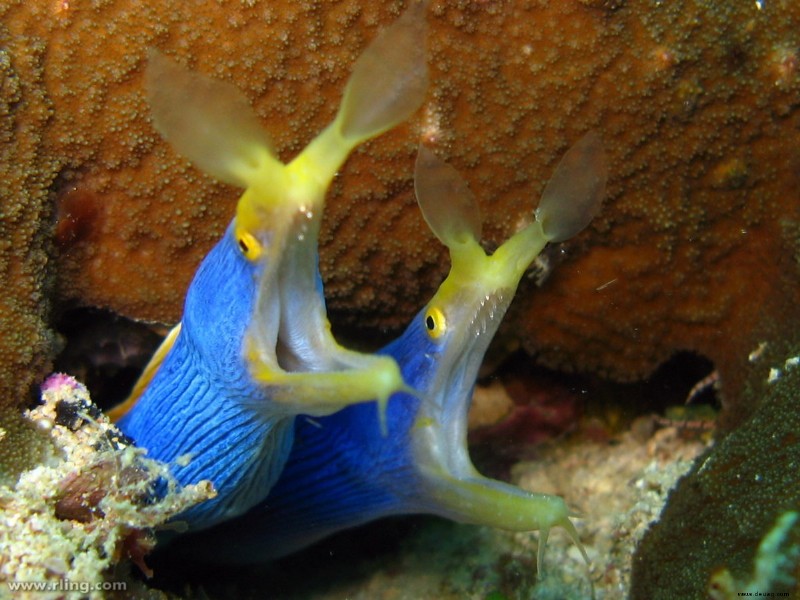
x: 81, y: 518
x: 617, y: 487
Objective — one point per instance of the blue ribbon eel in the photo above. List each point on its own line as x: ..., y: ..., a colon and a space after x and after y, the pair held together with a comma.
x: 343, y: 472
x: 254, y: 346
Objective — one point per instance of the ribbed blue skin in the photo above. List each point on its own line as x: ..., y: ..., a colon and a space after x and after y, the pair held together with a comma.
x: 202, y: 401
x: 342, y: 471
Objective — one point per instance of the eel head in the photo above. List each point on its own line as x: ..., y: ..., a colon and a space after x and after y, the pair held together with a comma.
x: 453, y: 331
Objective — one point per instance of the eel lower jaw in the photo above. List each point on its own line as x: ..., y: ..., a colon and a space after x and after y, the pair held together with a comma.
x: 449, y: 485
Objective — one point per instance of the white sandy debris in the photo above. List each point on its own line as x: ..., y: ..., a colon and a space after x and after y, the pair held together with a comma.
x: 68, y: 522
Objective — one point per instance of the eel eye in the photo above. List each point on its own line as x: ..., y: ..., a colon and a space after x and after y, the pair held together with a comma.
x: 249, y: 245
x: 435, y: 322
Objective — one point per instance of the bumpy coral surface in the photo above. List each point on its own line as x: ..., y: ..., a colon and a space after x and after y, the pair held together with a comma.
x: 27, y: 172
x: 698, y: 104
x: 710, y: 534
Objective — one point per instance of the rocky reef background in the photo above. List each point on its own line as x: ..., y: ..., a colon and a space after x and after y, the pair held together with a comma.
x: 696, y: 250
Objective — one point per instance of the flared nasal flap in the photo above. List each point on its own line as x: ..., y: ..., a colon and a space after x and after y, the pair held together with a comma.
x: 207, y: 121
x: 575, y: 192
x: 447, y: 204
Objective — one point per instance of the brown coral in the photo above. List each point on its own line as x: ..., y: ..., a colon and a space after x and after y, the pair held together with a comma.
x: 698, y: 105
x: 27, y: 172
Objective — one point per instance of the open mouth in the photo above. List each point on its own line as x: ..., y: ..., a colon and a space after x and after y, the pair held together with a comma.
x: 441, y: 445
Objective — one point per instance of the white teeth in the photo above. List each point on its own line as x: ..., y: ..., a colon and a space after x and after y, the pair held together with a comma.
x: 490, y: 309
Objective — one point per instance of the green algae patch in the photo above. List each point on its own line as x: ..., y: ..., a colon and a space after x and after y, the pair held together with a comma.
x: 718, y: 517
x: 21, y: 448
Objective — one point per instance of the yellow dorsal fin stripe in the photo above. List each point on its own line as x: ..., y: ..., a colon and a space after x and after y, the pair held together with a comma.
x: 119, y: 411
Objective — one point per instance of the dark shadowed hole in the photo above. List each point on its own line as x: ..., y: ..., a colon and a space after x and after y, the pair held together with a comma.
x: 348, y: 557
x: 105, y: 352
x: 549, y: 405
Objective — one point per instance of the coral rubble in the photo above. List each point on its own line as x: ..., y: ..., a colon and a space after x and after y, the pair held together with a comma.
x: 69, y: 521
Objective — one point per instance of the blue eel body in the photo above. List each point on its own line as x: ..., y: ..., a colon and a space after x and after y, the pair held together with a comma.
x: 254, y: 347
x: 344, y: 470
x: 254, y: 394
x: 219, y: 434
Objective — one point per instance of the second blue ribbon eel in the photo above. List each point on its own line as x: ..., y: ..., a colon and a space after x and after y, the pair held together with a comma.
x: 343, y: 472
x: 254, y: 346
